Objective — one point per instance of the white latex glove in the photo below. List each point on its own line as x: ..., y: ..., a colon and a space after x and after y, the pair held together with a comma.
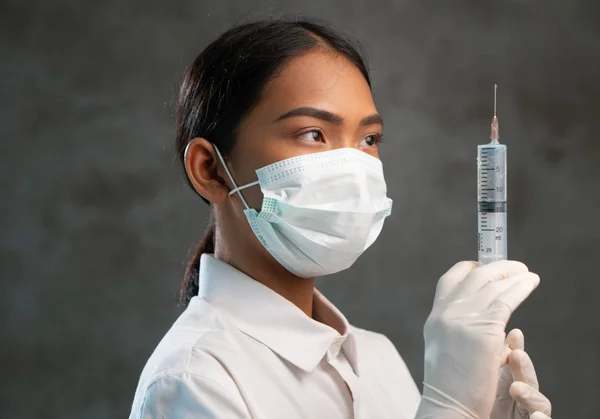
x: 518, y: 394
x: 464, y: 337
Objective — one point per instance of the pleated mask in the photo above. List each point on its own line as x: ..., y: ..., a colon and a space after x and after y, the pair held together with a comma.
x: 320, y: 211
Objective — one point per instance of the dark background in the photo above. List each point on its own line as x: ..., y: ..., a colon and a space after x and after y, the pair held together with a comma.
x: 96, y: 221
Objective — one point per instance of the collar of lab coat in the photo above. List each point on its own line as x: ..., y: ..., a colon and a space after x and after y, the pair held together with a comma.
x: 266, y: 316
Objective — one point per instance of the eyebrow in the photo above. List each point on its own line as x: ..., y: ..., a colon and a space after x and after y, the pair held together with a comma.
x: 328, y: 116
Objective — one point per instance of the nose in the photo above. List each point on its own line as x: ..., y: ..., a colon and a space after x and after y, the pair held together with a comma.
x: 350, y: 140
x: 343, y: 140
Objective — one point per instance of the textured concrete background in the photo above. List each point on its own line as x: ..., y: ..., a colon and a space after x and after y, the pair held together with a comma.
x: 96, y: 222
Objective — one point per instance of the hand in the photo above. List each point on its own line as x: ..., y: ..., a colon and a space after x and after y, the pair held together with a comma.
x: 464, y: 337
x: 518, y: 394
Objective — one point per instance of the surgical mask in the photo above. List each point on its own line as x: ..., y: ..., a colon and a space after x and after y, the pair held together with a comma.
x: 320, y: 211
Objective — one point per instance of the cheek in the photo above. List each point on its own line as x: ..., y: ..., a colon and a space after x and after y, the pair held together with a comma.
x: 373, y: 152
x: 252, y: 153
x: 243, y: 171
x: 253, y: 197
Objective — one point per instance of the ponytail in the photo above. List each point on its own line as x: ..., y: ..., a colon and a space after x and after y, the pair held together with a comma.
x: 190, y: 283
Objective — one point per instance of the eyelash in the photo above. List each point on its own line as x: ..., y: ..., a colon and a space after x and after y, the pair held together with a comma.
x: 378, y: 137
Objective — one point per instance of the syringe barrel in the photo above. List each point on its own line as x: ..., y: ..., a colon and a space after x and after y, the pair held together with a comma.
x: 491, y: 200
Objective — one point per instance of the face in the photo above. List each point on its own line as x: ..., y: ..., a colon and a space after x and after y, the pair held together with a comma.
x: 318, y: 102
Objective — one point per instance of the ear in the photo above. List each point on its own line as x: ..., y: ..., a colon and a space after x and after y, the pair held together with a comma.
x: 201, y: 164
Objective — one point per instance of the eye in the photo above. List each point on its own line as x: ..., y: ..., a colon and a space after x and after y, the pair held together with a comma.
x: 313, y: 135
x: 371, y: 140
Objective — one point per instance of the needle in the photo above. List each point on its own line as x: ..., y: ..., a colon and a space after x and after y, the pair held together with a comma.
x: 494, y: 131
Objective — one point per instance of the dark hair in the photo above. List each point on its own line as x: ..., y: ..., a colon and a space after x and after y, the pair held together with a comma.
x: 225, y: 82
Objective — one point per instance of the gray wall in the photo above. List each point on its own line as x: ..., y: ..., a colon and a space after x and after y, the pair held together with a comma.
x: 96, y: 221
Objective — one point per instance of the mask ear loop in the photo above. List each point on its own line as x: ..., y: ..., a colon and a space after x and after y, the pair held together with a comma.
x: 236, y: 188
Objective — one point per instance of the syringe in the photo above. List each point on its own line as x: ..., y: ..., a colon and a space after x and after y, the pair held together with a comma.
x: 491, y: 196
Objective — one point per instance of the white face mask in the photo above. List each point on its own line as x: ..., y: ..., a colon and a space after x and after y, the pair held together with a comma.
x: 320, y: 211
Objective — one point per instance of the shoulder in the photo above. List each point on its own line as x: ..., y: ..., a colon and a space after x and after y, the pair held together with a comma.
x: 182, y: 370
x: 186, y: 395
x: 181, y: 350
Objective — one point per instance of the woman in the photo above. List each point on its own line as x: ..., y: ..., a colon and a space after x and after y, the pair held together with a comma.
x: 278, y: 132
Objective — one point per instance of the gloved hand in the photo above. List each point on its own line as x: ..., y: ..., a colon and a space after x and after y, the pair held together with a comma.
x: 518, y: 394
x: 464, y: 337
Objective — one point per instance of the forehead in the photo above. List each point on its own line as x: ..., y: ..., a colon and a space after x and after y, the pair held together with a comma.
x: 319, y: 78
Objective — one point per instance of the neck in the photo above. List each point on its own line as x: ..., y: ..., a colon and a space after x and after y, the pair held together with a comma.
x: 254, y: 260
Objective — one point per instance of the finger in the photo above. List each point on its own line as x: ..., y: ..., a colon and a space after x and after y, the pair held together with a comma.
x: 487, y: 274
x: 529, y: 400
x: 506, y: 303
x: 522, y: 369
x: 538, y: 415
x: 515, y: 339
x: 452, y: 278
x: 490, y: 292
